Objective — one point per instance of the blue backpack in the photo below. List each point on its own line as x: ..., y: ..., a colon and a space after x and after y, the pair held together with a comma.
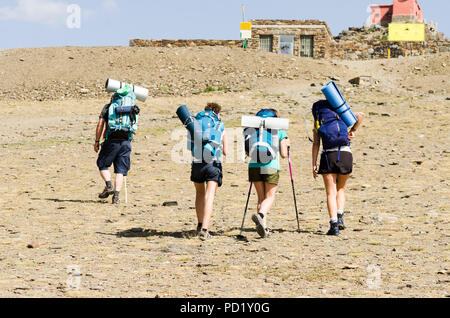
x: 259, y: 143
x: 210, y: 128
x: 331, y: 128
x: 122, y: 115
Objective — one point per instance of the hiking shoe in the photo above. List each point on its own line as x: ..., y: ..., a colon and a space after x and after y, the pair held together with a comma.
x: 115, y: 199
x: 334, y: 229
x: 204, y: 235
x: 106, y: 193
x: 259, y: 225
x: 341, y: 222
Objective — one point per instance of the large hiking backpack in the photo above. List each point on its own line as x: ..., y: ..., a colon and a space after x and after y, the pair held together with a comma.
x: 123, y: 114
x: 331, y: 128
x: 210, y: 128
x: 261, y: 145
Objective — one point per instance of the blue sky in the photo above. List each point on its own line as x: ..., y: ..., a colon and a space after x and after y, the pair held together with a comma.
x: 38, y: 23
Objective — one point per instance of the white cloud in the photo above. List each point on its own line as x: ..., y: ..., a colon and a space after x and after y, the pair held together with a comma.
x: 50, y: 12
x: 110, y: 5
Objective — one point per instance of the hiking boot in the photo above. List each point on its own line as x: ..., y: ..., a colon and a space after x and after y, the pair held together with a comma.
x: 341, y: 222
x: 334, y: 229
x: 106, y: 193
x: 204, y: 236
x: 260, y: 229
x: 115, y: 199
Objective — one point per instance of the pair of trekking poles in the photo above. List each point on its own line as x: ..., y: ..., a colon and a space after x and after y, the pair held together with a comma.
x: 293, y: 190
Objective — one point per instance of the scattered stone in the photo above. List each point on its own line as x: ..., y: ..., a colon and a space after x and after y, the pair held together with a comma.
x: 33, y: 245
x: 362, y: 81
x: 335, y: 78
x: 170, y: 203
x: 350, y: 267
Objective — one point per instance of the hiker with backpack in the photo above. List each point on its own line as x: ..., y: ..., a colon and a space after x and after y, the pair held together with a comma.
x: 336, y: 162
x: 119, y: 122
x: 264, y: 147
x: 206, y: 173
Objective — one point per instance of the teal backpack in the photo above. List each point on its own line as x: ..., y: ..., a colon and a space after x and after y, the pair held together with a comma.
x: 122, y: 116
x: 210, y: 128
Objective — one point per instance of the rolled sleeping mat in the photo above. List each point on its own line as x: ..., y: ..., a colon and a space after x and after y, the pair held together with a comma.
x: 113, y: 85
x: 268, y: 123
x: 124, y: 110
x: 340, y: 106
x: 189, y: 121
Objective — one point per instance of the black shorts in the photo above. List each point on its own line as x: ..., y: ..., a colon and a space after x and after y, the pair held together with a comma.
x: 329, y: 163
x: 205, y: 172
x: 117, y: 153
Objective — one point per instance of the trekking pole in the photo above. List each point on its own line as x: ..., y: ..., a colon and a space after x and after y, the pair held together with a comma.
x: 246, y: 207
x: 293, y: 188
x: 126, y: 191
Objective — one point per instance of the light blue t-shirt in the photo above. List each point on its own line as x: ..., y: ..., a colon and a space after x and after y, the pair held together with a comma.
x: 274, y: 164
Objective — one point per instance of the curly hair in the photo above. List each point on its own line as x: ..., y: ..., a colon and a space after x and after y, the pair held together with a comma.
x: 214, y: 107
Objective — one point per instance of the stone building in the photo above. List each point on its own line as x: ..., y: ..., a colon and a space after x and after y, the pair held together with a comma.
x: 309, y: 38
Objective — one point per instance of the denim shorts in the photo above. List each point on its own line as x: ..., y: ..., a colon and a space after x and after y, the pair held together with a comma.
x: 115, y: 152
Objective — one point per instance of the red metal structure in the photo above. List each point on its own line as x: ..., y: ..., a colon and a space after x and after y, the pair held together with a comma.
x: 399, y: 11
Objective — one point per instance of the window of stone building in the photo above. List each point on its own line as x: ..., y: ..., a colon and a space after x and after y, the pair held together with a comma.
x: 266, y: 43
x: 286, y: 44
x: 307, y: 45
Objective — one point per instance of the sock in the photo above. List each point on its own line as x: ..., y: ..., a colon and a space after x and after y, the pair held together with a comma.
x: 340, y: 212
x: 108, y: 184
x: 199, y: 226
x: 116, y: 193
x: 333, y: 220
x: 261, y: 215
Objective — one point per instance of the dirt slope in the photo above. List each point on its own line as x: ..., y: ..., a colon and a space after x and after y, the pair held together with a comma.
x: 397, y: 241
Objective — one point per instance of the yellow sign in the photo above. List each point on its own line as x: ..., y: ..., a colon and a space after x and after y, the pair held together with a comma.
x: 246, y: 26
x: 407, y: 32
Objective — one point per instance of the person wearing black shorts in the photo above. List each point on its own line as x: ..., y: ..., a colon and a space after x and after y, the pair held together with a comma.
x: 207, y: 178
x: 115, y: 150
x: 336, y: 166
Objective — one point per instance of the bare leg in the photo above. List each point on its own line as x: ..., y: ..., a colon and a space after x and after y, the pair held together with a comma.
x: 211, y: 188
x: 330, y: 186
x: 260, y: 191
x: 199, y: 200
x: 340, y: 198
x: 270, y: 191
x: 106, y: 175
x: 119, y: 182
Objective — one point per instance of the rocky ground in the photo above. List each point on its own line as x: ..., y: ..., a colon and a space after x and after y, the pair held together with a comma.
x: 53, y: 226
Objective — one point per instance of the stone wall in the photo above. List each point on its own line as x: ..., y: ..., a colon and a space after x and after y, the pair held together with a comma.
x: 374, y: 49
x: 185, y: 43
